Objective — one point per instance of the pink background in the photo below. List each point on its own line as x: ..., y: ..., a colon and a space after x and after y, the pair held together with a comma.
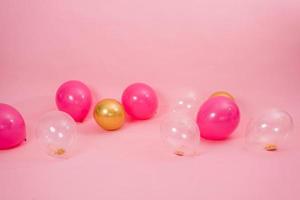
x: 248, y: 47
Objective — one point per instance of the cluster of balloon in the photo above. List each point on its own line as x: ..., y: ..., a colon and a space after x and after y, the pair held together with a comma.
x: 179, y: 130
x: 217, y: 118
x: 139, y: 101
x: 269, y: 130
x: 56, y: 130
x: 12, y: 127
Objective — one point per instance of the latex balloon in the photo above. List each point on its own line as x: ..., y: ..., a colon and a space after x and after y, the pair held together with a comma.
x: 109, y: 114
x: 74, y: 98
x: 223, y: 94
x: 269, y: 130
x: 140, y: 101
x: 12, y: 127
x: 56, y: 132
x: 186, y: 104
x: 180, y: 134
x: 217, y: 118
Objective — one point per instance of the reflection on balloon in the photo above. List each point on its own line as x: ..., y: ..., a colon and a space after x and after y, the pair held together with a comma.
x: 269, y: 130
x: 56, y: 132
x: 217, y: 118
x: 12, y: 127
x: 180, y: 134
x: 74, y: 98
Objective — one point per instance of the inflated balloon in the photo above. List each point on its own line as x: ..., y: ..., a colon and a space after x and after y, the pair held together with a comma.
x: 217, y: 118
x: 269, y: 130
x: 56, y: 132
x: 186, y: 104
x: 74, y: 98
x: 12, y: 127
x: 223, y: 94
x: 180, y: 134
x: 109, y: 114
x: 140, y: 101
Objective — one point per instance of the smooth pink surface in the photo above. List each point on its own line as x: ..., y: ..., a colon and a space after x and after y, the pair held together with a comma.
x: 12, y: 127
x: 249, y: 48
x: 217, y: 118
x: 140, y: 101
x: 74, y: 98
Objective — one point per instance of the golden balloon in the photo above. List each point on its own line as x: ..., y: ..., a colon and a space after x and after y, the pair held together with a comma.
x: 109, y: 114
x: 223, y: 94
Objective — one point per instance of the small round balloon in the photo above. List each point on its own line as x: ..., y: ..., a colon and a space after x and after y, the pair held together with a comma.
x: 217, y: 118
x: 56, y: 132
x: 109, y: 114
x: 140, y: 101
x: 186, y: 104
x: 180, y: 134
x: 269, y: 130
x: 12, y: 127
x: 74, y: 98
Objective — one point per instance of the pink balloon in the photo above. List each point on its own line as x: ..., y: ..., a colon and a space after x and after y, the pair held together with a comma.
x: 74, y: 98
x: 217, y: 118
x: 12, y: 127
x: 140, y: 101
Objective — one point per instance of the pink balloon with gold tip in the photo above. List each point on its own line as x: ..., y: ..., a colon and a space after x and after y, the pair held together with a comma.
x: 140, y: 101
x: 12, y: 127
x: 217, y: 118
x: 74, y: 98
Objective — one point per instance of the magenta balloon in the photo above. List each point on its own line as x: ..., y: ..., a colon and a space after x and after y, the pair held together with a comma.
x: 12, y: 127
x: 217, y: 118
x: 74, y: 98
x: 140, y: 101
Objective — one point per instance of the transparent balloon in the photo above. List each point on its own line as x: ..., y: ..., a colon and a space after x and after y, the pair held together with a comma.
x: 269, y: 131
x: 56, y: 132
x: 181, y: 135
x: 186, y: 104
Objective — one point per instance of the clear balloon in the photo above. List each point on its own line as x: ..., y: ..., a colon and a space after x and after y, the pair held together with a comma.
x: 186, y: 104
x: 56, y: 132
x: 181, y: 136
x: 269, y: 130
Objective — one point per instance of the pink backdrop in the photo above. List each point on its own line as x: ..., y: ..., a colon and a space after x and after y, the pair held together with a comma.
x: 248, y: 47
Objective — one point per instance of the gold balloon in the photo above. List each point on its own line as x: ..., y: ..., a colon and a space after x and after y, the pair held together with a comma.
x: 223, y: 94
x: 109, y: 114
